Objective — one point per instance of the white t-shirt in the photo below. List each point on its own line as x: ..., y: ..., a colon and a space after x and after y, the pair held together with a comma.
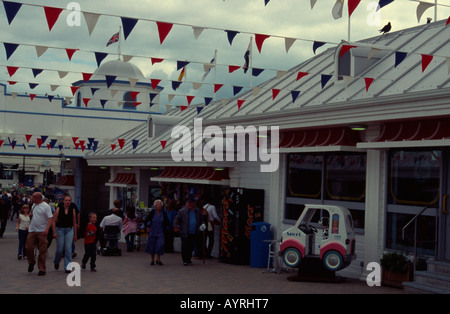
x: 111, y: 220
x: 211, y: 209
x: 24, y: 222
x: 41, y: 214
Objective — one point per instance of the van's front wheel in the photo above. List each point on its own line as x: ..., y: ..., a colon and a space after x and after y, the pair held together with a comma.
x: 292, y: 257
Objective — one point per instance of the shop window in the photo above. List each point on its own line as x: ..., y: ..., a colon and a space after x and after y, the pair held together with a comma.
x: 305, y: 175
x: 128, y: 101
x: 414, y: 177
x: 346, y: 177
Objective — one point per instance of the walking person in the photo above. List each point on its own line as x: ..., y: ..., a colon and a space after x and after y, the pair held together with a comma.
x: 41, y: 220
x: 213, y: 220
x: 90, y: 238
x: 64, y: 231
x: 130, y: 228
x: 23, y: 223
x: 156, y: 223
x: 187, y: 222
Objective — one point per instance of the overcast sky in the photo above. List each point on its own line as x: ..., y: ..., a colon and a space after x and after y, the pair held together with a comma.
x: 283, y: 18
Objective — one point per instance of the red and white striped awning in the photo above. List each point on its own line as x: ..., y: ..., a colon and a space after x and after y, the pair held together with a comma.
x: 200, y: 175
x: 123, y: 180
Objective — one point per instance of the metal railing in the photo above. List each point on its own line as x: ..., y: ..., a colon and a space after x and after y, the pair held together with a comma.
x: 414, y: 219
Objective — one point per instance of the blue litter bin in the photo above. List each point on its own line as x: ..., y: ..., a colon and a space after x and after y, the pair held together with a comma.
x: 259, y: 250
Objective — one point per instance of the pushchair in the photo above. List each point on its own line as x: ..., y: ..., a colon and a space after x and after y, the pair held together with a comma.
x: 111, y: 235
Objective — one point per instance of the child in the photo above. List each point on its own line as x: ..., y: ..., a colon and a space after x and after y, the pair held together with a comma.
x: 90, y: 238
x: 22, y: 226
x: 130, y: 228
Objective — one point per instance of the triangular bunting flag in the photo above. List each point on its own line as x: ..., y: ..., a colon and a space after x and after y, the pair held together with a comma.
x: 33, y: 85
x: 87, y: 77
x: 91, y: 20
x: 199, y: 109
x: 127, y: 58
x: 52, y: 15
x: 152, y: 96
x: 36, y: 72
x: 1, y: 143
x: 399, y: 57
x: 345, y: 49
x: 103, y: 102
x: 352, y: 4
x: 28, y: 137
x: 294, y: 94
x: 86, y: 101
x: 156, y: 60
x: 383, y: 3
x: 11, y: 70
x: 12, y: 82
x: 240, y: 102
x: 301, y: 74
x: 74, y: 89
x: 10, y: 49
x: 50, y: 98
x: 421, y: 8
x: 134, y: 95
x: 208, y: 100
x: 426, y: 59
x: 70, y: 53
x: 231, y: 35
x: 197, y: 31
x: 368, y: 81
x: 100, y: 56
x: 62, y: 74
x: 44, y: 138
x: 189, y: 99
x: 163, y: 30
x: 232, y: 68
x: 175, y: 85
x: 163, y: 144
x: 135, y: 143
x: 288, y: 42
x: 275, y: 93
x: 236, y: 90
x: 217, y: 87
x: 121, y: 142
x: 196, y: 85
x: 32, y: 96
x: 155, y: 83
x: 128, y: 25
x: 324, y: 79
x: 113, y: 147
x: 317, y: 45
x: 11, y: 9
x: 183, y: 108
x: 181, y: 64
x: 109, y: 80
x: 40, y: 50
x: 257, y: 71
x: 448, y: 21
x: 259, y: 40
x: 39, y: 142
x: 93, y: 90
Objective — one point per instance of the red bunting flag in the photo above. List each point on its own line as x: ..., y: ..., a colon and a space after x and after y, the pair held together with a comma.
x: 368, y: 81
x: 86, y: 101
x: 113, y: 147
x: 121, y: 142
x: 32, y: 96
x: 217, y: 87
x: 86, y: 76
x: 275, y: 93
x: 163, y: 30
x: 39, y: 142
x: 163, y: 144
x: 352, y: 4
x: 133, y: 95
x: 28, y: 137
x: 189, y: 99
x: 12, y: 82
x: 74, y: 140
x: 448, y: 21
x: 259, y: 39
x: 301, y: 74
x: 11, y: 70
x: 426, y: 59
x: 70, y: 53
x: 155, y: 83
x: 344, y: 49
x: 136, y: 104
x: 1, y: 143
x: 240, y: 102
x: 74, y: 89
x: 52, y: 15
x: 182, y: 108
x: 156, y: 60
x: 232, y: 68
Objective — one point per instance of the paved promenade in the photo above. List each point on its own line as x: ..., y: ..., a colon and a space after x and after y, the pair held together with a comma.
x: 132, y: 273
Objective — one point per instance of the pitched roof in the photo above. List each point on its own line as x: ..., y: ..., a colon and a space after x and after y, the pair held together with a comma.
x: 390, y: 82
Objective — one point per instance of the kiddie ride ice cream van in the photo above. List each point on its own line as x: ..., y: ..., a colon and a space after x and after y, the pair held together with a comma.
x: 321, y: 231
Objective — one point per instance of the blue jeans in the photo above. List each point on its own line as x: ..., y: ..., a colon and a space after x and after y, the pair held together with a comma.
x: 23, y: 234
x: 64, y: 244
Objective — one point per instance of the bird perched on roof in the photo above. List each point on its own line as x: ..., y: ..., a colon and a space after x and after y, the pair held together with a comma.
x: 386, y: 28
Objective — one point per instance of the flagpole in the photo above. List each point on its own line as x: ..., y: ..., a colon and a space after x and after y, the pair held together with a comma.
x: 251, y: 61
x: 120, y: 39
x: 348, y: 28
x: 215, y: 72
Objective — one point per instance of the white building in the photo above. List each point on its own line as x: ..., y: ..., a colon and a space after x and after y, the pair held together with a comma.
x: 358, y: 128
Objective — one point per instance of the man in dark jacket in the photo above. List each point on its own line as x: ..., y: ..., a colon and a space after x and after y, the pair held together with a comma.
x: 189, y: 223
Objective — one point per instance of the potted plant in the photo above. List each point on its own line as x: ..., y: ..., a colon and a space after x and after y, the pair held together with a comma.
x: 396, y: 269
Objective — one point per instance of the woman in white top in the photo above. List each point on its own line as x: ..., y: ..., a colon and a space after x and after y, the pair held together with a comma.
x: 22, y: 226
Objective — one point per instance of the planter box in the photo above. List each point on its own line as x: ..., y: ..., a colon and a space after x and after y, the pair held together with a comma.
x: 395, y: 279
